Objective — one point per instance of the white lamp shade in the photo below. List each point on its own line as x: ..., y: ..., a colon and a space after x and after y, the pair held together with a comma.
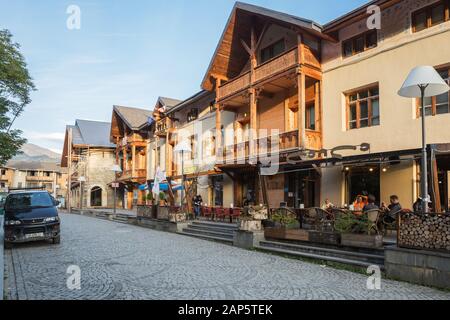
x: 116, y: 168
x: 423, y: 76
x: 183, y: 146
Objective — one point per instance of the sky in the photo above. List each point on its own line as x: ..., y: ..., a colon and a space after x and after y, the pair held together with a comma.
x: 125, y: 53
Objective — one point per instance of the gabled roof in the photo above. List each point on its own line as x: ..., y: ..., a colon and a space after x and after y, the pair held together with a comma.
x: 193, y: 99
x: 92, y: 133
x: 36, y: 166
x: 168, y: 102
x: 238, y: 28
x: 134, y: 118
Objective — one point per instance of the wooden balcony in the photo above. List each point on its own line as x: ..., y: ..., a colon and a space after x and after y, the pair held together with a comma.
x: 161, y: 128
x: 39, y: 179
x: 136, y: 175
x: 238, y: 84
x: 286, y: 141
x: 276, y: 65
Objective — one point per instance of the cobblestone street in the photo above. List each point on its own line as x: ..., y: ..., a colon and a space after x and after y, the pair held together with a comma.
x: 120, y: 261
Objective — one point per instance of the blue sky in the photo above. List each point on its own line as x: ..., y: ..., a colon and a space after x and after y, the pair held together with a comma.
x: 126, y: 53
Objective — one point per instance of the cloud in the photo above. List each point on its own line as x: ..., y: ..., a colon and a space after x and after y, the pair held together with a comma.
x: 47, y: 136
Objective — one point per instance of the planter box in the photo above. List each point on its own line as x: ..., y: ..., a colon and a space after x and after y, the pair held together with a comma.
x: 324, y: 237
x: 177, y: 217
x: 163, y: 213
x: 250, y: 225
x: 287, y: 234
x: 361, y: 240
x: 144, y: 211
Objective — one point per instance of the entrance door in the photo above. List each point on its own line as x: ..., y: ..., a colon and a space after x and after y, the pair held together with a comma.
x: 304, y: 188
x: 96, y: 197
x: 363, y: 181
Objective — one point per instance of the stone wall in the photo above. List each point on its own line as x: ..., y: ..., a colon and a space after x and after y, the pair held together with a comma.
x: 430, y: 231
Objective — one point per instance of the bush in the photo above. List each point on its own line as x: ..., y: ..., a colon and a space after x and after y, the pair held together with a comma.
x: 286, y: 219
x: 150, y: 196
x: 350, y: 223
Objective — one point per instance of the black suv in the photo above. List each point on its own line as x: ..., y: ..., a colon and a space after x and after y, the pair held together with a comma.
x: 31, y: 216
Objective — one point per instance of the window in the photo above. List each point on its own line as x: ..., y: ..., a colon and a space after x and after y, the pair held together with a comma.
x: 310, y: 116
x: 363, y: 108
x: 192, y: 115
x: 3, y: 172
x: 439, y: 104
x: 360, y: 43
x: 273, y: 50
x: 430, y: 16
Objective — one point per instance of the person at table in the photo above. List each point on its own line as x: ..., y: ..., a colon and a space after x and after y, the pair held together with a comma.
x: 327, y: 205
x: 359, y: 204
x: 392, y: 209
x: 371, y: 204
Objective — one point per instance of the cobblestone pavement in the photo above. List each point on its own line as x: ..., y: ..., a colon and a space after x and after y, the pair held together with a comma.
x: 120, y: 261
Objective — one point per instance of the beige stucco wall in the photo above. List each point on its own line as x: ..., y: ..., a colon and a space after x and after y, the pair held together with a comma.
x: 399, y: 180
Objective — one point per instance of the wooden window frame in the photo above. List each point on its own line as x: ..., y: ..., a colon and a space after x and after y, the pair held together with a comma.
x: 428, y: 12
x: 353, y: 42
x: 433, y: 99
x: 309, y: 106
x: 358, y: 101
x: 281, y: 40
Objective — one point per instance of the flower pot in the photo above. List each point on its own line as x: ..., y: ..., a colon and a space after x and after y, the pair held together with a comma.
x: 250, y: 225
x: 361, y: 240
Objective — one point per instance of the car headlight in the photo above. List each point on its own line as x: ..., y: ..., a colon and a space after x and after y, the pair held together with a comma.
x: 12, y: 222
x: 51, y: 219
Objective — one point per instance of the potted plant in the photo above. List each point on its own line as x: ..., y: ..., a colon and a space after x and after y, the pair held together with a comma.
x: 285, y: 227
x: 354, y: 231
x: 149, y: 199
x: 251, y: 219
x: 162, y: 199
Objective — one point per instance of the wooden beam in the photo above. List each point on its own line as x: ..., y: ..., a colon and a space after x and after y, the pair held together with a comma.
x: 436, y: 193
x: 301, y: 109
x: 249, y: 51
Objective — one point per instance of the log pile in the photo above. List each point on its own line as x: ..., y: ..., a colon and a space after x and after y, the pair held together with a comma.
x: 429, y: 232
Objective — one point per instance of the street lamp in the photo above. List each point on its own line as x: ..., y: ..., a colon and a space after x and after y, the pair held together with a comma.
x: 116, y: 169
x: 423, y: 82
x: 182, y: 147
x: 81, y: 180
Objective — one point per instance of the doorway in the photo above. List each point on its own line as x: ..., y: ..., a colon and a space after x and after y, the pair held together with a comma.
x: 96, y: 197
x: 363, y: 181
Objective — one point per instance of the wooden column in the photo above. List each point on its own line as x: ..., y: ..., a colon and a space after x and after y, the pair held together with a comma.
x: 125, y: 158
x: 301, y: 109
x: 253, y: 122
x: 219, y: 142
x: 133, y: 159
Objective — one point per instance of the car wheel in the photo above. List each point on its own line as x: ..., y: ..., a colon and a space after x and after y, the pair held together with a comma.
x: 57, y: 240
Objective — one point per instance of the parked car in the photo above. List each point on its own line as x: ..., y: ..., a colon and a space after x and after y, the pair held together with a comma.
x: 3, y: 196
x: 31, y: 216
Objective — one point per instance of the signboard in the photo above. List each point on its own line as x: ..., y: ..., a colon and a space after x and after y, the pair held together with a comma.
x: 115, y: 185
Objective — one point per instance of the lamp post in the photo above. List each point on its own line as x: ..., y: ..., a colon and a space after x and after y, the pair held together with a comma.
x: 182, y: 147
x: 116, y: 169
x: 423, y: 82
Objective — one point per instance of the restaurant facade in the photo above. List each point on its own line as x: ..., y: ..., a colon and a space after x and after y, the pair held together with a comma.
x: 321, y: 102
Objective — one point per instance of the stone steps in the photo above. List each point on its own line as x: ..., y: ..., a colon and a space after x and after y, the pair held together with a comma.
x: 350, y: 257
x: 213, y: 231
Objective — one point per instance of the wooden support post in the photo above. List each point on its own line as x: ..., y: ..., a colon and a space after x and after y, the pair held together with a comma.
x: 301, y: 110
x: 436, y: 193
x: 253, y: 122
x: 133, y: 160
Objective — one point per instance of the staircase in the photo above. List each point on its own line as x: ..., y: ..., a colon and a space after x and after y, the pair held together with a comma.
x: 360, y: 257
x: 213, y: 231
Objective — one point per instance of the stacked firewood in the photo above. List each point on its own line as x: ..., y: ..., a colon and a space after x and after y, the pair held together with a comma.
x: 430, y: 231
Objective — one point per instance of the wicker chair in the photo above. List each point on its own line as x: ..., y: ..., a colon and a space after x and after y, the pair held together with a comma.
x: 373, y: 217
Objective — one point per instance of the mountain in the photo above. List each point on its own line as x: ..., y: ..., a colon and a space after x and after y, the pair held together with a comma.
x: 32, y: 152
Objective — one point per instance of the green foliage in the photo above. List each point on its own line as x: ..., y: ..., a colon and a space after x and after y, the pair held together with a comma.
x: 162, y: 196
x: 350, y: 223
x: 15, y: 88
x: 150, y: 196
x: 284, y: 218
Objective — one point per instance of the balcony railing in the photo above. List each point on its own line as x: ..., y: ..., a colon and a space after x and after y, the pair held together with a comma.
x: 39, y: 178
x: 137, y: 174
x: 286, y: 141
x: 276, y: 65
x: 237, y: 84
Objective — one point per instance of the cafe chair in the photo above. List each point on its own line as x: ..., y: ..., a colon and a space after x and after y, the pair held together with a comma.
x: 373, y: 217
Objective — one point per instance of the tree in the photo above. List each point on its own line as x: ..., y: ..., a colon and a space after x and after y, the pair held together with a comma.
x: 16, y: 86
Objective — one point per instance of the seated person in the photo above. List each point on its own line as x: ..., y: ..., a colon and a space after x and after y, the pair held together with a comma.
x: 392, y: 209
x: 359, y: 204
x: 371, y: 205
x: 327, y: 205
